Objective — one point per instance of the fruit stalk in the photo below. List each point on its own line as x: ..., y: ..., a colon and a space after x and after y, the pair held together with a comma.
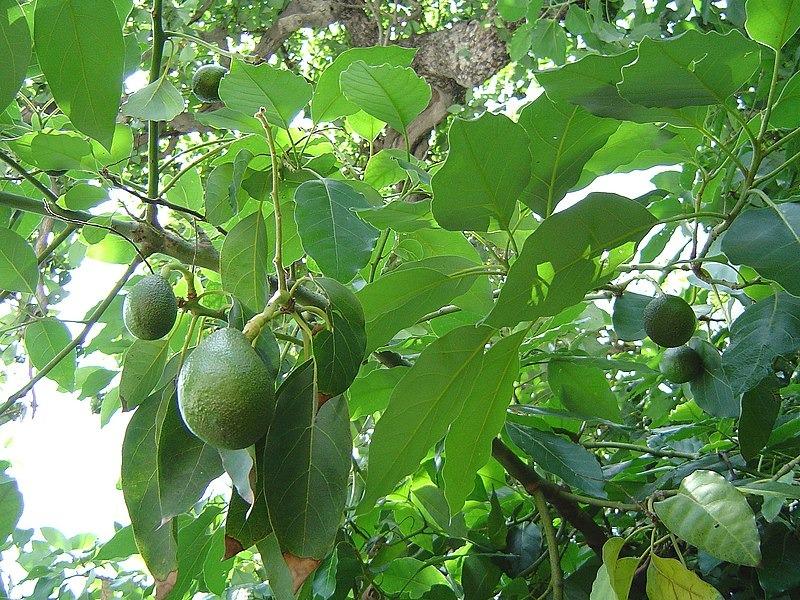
x: 152, y: 126
x: 253, y: 327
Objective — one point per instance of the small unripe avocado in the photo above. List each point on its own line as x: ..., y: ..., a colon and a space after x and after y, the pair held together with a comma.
x: 669, y: 321
x: 225, y: 392
x: 150, y: 308
x: 681, y: 364
x: 205, y: 82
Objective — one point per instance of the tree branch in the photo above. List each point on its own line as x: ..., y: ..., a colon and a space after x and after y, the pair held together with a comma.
x: 567, y: 508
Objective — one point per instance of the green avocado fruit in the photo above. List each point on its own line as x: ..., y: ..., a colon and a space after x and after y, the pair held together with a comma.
x: 681, y: 364
x: 669, y: 321
x: 150, y: 308
x: 205, y: 82
x: 225, y: 392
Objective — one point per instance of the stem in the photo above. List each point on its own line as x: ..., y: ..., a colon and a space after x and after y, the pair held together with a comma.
x: 771, y: 96
x: 253, y: 327
x: 57, y: 241
x: 781, y: 472
x: 373, y: 268
x: 643, y: 449
x: 278, y: 261
x: 209, y: 45
x: 152, y: 126
x: 93, y: 318
x: 556, y: 576
x: 169, y: 185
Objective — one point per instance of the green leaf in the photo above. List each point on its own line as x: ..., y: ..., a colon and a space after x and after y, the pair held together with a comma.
x: 141, y: 370
x: 217, y: 196
x: 479, y: 578
x: 249, y: 87
x: 760, y: 408
x: 582, y: 389
x: 563, y: 137
x: 383, y: 169
x: 512, y: 10
x: 422, y: 406
x: 709, y: 513
x: 768, y: 239
x: 155, y: 541
x: 410, y: 576
x: 627, y: 316
x: 247, y: 525
x: 186, y: 465
x: 307, y: 465
x: 548, y: 39
x: 764, y: 331
x: 370, y: 393
x: 615, y: 576
x: 15, y: 50
x: 328, y: 102
x: 243, y: 262
x: 468, y: 445
x: 573, y: 463
x: 474, y: 186
x: 771, y: 489
x: 333, y: 235
x: 772, y: 22
x: 786, y: 112
x: 591, y: 82
x: 10, y: 506
x: 778, y: 572
x: 712, y: 390
x: 339, y: 352
x: 121, y: 545
x: 524, y: 544
x: 215, y: 568
x: 44, y: 339
x: 281, y: 581
x: 555, y: 268
x: 400, y: 216
x: 159, y: 101
x: 668, y: 579
x: 83, y: 196
x: 692, y: 69
x: 80, y: 49
x: 53, y: 151
x: 393, y: 94
x: 18, y: 266
x: 400, y: 298
x: 193, y: 545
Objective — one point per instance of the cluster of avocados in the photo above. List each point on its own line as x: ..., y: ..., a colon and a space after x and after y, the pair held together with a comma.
x: 226, y: 393
x: 670, y: 322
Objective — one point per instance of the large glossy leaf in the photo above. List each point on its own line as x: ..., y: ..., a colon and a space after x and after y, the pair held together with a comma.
x: 479, y: 577
x: 328, y: 102
x: 422, y: 406
x: 44, y: 339
x: 573, y: 463
x: 627, y: 316
x: 772, y: 22
x: 614, y: 577
x: 10, y: 505
x: 411, y: 576
x: 18, y: 266
x: 339, y: 352
x: 712, y: 389
x: 243, y: 262
x: 563, y: 137
x: 306, y: 466
x: 709, y: 513
x: 15, y: 50
x: 764, y: 331
x: 332, y: 233
x: 524, y: 546
x: 159, y: 101
x: 83, y: 63
x: 186, y: 464
x: 155, y: 540
x: 468, y: 445
x: 668, y: 579
x: 247, y: 88
x: 583, y: 389
x: 556, y: 266
x: 692, y: 69
x: 778, y: 573
x: 398, y: 299
x: 474, y: 186
x: 194, y: 543
x: 393, y: 94
x: 591, y: 82
x: 370, y: 392
x: 760, y: 408
x: 768, y: 239
x: 141, y: 370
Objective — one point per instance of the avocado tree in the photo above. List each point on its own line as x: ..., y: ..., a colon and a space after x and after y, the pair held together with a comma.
x: 358, y: 295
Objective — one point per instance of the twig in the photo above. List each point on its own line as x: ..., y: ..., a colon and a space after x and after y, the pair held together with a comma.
x: 556, y: 576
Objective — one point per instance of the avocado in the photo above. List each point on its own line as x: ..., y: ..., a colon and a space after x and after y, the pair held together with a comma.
x: 150, y: 308
x: 205, y: 82
x: 669, y: 321
x: 681, y: 364
x: 226, y: 394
